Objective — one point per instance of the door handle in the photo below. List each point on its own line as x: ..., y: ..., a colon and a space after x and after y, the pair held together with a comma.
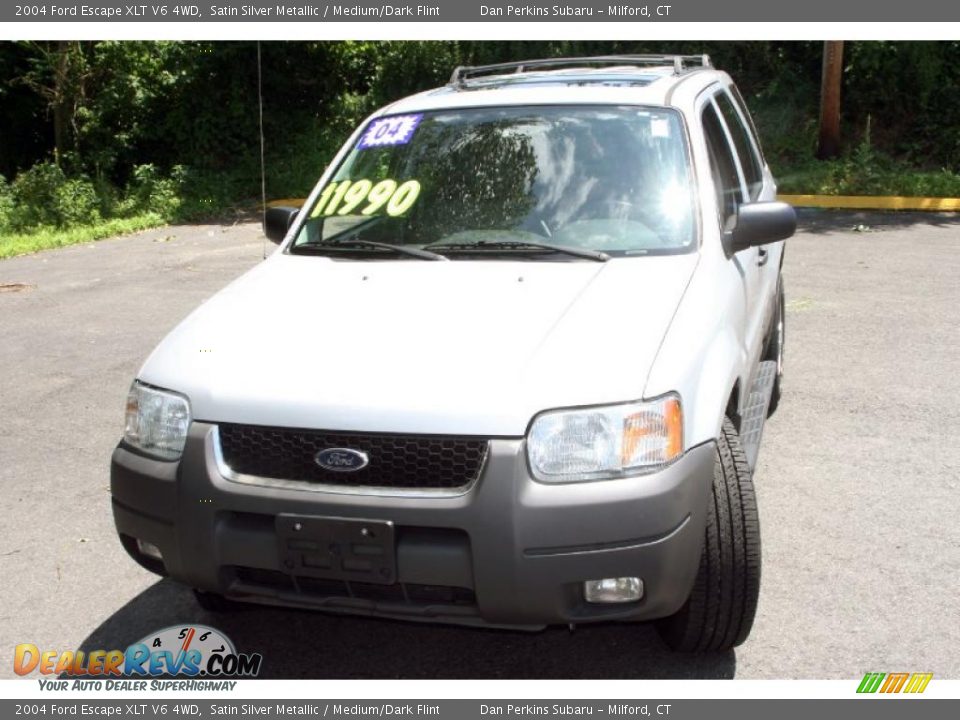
x: 762, y: 256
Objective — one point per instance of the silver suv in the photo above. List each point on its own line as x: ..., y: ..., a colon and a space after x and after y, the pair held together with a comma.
x: 508, y: 367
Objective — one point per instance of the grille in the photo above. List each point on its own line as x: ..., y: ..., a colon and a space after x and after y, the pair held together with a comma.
x: 395, y: 461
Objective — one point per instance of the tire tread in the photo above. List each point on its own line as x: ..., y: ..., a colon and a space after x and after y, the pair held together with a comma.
x: 720, y: 610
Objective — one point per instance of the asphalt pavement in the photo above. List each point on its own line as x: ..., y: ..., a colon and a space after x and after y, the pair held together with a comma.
x: 858, y: 479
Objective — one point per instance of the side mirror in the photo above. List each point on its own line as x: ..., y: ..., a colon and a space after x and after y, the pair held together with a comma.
x: 278, y: 220
x: 759, y: 224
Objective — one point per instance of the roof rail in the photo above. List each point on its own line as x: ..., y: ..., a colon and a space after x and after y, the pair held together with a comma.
x: 681, y: 64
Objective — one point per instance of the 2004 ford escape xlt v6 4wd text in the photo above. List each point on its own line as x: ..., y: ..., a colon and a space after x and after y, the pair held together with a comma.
x: 509, y: 367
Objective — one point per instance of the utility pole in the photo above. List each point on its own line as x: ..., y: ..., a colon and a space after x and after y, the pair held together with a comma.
x: 828, y: 145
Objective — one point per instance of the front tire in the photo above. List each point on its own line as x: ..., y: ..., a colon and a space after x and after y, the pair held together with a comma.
x: 719, y: 613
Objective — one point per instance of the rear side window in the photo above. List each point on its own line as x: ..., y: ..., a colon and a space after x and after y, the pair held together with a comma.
x: 742, y: 107
x: 752, y: 168
x: 723, y: 166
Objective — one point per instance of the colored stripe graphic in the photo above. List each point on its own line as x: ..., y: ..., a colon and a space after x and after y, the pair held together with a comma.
x: 870, y: 682
x: 918, y: 682
x: 894, y: 682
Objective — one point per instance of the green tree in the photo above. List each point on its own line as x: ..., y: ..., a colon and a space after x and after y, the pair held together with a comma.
x: 58, y: 74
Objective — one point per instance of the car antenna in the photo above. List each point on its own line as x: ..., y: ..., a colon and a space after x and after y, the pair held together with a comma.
x: 263, y: 165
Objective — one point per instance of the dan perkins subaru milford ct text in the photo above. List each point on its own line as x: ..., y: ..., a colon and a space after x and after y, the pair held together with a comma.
x: 614, y: 11
x: 508, y: 367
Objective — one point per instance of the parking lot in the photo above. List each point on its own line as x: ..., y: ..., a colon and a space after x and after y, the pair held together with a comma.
x: 858, y: 479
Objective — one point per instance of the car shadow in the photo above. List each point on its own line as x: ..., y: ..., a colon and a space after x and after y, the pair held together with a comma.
x: 300, y: 644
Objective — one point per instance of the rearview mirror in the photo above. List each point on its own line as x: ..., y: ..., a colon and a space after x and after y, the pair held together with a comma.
x: 277, y: 220
x: 759, y: 224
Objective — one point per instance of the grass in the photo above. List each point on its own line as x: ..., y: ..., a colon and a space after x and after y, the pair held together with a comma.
x: 46, y: 238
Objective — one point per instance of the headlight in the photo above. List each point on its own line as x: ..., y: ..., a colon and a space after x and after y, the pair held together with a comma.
x: 157, y: 421
x: 605, y: 442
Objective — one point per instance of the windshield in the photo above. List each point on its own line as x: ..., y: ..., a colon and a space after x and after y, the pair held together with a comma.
x: 609, y: 179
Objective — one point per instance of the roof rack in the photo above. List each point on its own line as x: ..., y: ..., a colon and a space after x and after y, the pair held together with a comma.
x: 681, y: 64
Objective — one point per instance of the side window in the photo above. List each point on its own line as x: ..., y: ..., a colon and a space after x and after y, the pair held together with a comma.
x: 752, y: 169
x: 723, y: 166
x: 742, y: 107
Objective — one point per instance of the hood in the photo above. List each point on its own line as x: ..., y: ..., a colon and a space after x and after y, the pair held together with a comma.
x: 460, y: 347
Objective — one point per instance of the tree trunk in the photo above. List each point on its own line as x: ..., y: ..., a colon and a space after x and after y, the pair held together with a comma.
x: 829, y: 142
x: 61, y: 70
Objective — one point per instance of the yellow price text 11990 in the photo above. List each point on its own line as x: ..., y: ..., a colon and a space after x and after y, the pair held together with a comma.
x: 346, y: 196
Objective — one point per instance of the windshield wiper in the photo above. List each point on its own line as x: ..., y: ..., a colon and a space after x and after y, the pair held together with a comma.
x: 520, y: 245
x: 401, y: 249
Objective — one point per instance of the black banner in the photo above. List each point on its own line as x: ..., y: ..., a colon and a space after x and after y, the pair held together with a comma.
x: 475, y: 11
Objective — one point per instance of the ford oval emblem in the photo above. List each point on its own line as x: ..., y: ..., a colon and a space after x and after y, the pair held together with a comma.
x: 341, y: 459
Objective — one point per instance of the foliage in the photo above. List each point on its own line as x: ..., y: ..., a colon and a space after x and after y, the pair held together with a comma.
x: 34, y: 194
x: 45, y: 196
x: 6, y: 206
x: 150, y: 191
x: 883, y: 176
x: 76, y: 203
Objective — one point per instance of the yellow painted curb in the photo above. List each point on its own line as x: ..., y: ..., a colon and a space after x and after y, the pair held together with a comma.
x: 287, y: 202
x: 870, y: 202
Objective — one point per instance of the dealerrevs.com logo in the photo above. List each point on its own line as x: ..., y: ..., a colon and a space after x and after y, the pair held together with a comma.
x: 191, y: 651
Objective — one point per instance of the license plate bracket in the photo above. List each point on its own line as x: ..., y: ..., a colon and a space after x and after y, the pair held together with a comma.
x: 334, y: 548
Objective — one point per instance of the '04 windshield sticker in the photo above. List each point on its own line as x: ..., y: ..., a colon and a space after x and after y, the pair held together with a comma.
x: 347, y: 196
x: 396, y: 130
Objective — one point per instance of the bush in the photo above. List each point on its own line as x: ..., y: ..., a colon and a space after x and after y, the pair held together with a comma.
x: 45, y: 196
x: 6, y: 206
x: 880, y: 175
x: 150, y: 191
x: 76, y: 203
x: 35, y: 195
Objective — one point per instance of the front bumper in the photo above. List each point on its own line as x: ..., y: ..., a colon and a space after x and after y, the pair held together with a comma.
x: 509, y: 551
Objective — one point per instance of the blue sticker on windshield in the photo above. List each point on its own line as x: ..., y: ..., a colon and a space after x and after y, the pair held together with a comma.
x: 396, y: 130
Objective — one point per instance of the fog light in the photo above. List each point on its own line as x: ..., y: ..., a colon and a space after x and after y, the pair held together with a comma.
x: 613, y: 590
x: 149, y: 549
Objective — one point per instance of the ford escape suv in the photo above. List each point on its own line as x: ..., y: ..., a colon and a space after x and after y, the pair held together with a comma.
x: 508, y: 367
